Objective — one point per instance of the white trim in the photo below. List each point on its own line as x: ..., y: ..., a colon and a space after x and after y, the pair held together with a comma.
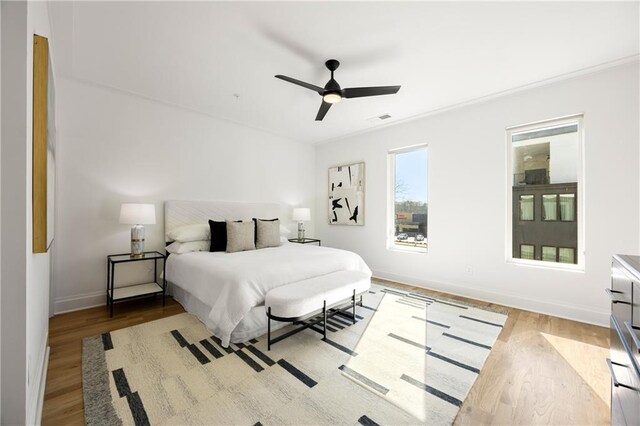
x: 570, y: 267
x: 391, y: 197
x: 549, y: 81
x: 407, y: 249
x: 391, y: 205
x: 79, y: 302
x: 580, y: 210
x: 556, y: 122
x: 408, y: 148
x: 36, y: 390
x: 571, y: 312
x: 43, y: 386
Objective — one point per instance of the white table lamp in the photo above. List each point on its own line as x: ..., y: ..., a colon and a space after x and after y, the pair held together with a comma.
x: 301, y: 214
x: 137, y: 215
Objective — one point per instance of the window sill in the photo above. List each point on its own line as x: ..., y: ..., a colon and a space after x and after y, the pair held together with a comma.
x: 407, y: 249
x: 568, y: 267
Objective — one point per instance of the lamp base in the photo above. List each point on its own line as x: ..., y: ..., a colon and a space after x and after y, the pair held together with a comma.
x: 137, y: 241
x: 300, y: 231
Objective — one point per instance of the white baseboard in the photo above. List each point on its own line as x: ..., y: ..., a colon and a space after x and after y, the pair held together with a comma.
x: 572, y: 312
x: 43, y: 386
x: 36, y: 398
x: 83, y: 301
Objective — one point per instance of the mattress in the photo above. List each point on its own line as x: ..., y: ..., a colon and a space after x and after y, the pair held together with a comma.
x: 254, y: 323
x: 232, y: 285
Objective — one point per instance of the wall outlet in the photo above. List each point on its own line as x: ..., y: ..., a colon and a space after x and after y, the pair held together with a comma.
x: 468, y: 269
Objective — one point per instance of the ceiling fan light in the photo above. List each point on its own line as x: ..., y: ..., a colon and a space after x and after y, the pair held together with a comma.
x: 332, y: 98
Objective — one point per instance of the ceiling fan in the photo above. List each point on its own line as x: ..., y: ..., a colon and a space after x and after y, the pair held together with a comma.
x: 333, y: 93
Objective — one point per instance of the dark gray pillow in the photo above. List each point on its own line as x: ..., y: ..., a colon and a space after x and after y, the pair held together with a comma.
x: 267, y: 233
x: 240, y: 236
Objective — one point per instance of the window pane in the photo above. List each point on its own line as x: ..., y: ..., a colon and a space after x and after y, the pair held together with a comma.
x: 549, y: 254
x: 526, y: 207
x: 567, y: 207
x: 527, y: 251
x: 410, y: 198
x: 567, y: 255
x: 544, y: 180
x: 550, y: 207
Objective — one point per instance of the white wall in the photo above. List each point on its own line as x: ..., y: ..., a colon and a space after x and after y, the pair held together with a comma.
x: 467, y: 199
x: 14, y: 204
x: 114, y: 148
x: 38, y: 265
x: 0, y: 209
x: 25, y: 276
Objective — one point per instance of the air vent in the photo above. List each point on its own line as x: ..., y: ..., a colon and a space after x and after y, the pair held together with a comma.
x: 379, y: 118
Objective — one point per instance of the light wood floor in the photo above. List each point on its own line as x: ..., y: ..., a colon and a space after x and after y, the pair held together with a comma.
x: 541, y: 370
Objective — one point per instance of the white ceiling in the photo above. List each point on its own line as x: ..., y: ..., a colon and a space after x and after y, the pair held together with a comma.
x: 198, y: 55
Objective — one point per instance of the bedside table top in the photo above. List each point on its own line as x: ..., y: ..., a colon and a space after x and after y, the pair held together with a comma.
x: 304, y: 240
x: 126, y: 257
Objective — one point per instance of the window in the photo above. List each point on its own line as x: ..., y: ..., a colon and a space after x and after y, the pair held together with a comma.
x: 550, y: 207
x: 408, y: 202
x: 567, y: 255
x: 527, y: 206
x: 527, y: 251
x: 549, y: 254
x: 567, y: 207
x: 544, y: 188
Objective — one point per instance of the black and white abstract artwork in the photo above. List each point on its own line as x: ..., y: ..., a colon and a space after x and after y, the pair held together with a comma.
x: 346, y: 194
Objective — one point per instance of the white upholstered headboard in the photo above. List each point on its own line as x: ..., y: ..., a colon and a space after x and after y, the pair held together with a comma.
x: 180, y: 213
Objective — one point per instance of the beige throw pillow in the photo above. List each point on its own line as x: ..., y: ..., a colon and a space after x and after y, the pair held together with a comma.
x: 240, y: 236
x: 267, y: 233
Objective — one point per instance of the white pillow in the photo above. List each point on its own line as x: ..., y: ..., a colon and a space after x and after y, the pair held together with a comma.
x: 189, y: 246
x: 284, y: 230
x: 183, y: 234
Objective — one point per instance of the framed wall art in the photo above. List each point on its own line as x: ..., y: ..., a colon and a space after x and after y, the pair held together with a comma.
x: 44, y: 146
x: 346, y: 194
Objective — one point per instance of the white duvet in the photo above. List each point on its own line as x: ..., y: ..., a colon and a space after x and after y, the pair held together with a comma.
x: 233, y: 283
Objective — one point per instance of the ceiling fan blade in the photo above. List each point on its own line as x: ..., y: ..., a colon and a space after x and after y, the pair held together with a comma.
x: 360, y: 92
x: 313, y: 87
x: 324, y: 107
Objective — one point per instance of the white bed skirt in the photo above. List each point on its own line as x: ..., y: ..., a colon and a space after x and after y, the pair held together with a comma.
x: 253, y: 325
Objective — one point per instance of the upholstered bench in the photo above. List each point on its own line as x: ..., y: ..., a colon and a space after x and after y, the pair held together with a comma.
x: 326, y: 294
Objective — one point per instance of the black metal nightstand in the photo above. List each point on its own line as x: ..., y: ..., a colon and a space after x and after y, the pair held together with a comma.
x: 134, y: 290
x: 305, y: 241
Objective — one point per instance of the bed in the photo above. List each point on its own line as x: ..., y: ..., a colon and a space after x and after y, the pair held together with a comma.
x: 226, y: 290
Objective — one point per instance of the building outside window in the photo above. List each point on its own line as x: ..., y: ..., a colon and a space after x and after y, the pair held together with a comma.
x: 545, y: 184
x: 408, y: 202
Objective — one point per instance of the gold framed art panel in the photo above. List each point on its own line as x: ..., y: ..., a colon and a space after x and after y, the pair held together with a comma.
x: 43, y: 152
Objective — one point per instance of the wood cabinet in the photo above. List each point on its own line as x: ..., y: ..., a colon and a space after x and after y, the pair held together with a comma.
x: 624, y: 294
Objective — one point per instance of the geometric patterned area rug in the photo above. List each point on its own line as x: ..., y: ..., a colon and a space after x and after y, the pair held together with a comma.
x: 408, y: 359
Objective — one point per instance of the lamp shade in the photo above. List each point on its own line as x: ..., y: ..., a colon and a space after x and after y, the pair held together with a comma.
x: 301, y: 214
x: 138, y: 214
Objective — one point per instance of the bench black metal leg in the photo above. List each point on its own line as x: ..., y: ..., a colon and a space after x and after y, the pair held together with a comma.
x: 312, y: 322
x: 353, y: 301
x: 324, y: 321
x: 269, y: 330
